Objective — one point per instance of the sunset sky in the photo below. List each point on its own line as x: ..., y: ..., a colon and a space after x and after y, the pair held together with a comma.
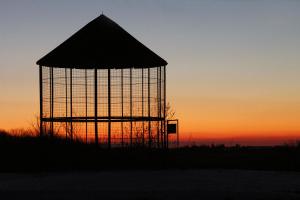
x: 234, y: 66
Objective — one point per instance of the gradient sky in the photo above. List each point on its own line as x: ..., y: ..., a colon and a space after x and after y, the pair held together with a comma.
x: 234, y: 66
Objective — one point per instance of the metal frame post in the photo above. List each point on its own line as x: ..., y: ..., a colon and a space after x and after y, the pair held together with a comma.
x: 41, y: 98
x: 109, y: 108
x: 130, y: 90
x: 122, y: 108
x: 86, y: 111
x: 51, y: 100
x: 143, y: 125
x: 165, y: 107
x: 149, y: 114
x: 158, y: 109
x: 66, y: 82
x: 96, y: 105
x: 71, y: 104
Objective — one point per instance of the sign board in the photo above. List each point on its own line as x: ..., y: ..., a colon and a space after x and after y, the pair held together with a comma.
x: 172, y: 128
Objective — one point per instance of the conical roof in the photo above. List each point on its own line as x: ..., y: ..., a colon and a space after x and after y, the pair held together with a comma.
x: 102, y: 43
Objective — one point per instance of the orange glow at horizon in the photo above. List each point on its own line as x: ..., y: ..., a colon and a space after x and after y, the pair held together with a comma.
x: 258, y: 120
x: 217, y: 119
x: 216, y: 124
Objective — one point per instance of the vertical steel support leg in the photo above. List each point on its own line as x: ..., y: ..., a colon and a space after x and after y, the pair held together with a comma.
x: 130, y: 107
x: 86, y: 111
x: 51, y: 101
x: 96, y: 105
x: 109, y: 108
x: 165, y: 105
x: 71, y: 104
x: 159, y: 109
x: 41, y: 98
x: 157, y: 101
x: 143, y: 125
x: 122, y: 108
x: 66, y: 91
x: 149, y: 114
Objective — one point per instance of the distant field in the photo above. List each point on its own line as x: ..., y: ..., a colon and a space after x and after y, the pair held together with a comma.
x: 152, y: 184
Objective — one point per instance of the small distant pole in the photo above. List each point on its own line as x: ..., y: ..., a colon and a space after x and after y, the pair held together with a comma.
x: 177, y: 134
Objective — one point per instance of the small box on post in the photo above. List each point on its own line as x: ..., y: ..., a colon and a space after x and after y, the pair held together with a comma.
x: 172, y: 128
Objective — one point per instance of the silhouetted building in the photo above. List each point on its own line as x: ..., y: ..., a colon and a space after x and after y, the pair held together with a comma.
x: 102, y: 85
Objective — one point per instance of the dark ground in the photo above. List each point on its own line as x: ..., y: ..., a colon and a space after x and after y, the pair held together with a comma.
x: 51, y: 168
x: 152, y: 184
x: 32, y: 154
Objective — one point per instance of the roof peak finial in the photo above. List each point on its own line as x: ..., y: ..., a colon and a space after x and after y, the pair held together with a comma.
x: 102, y: 12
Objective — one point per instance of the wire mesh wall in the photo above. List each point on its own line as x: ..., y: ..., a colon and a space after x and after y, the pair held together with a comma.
x: 114, y: 107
